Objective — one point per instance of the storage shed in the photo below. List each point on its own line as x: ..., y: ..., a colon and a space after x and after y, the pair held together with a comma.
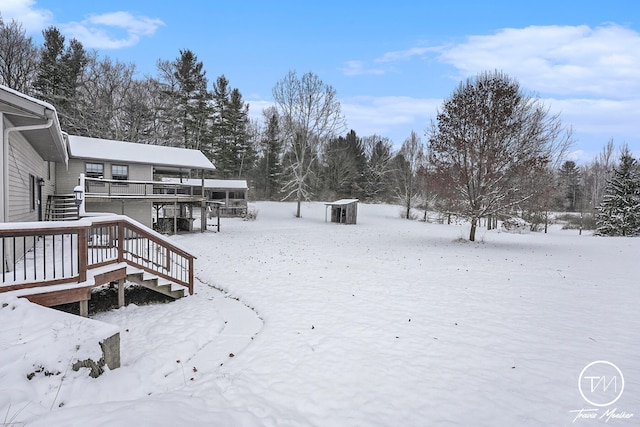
x: 343, y: 211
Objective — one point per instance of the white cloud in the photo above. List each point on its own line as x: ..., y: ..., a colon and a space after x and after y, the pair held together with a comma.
x: 563, y: 60
x: 98, y: 32
x: 356, y: 68
x: 406, y: 54
x: 391, y: 116
x: 33, y: 20
x: 107, y: 31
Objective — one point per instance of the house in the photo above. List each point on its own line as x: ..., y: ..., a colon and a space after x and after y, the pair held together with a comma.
x: 344, y: 211
x: 59, y: 262
x: 125, y: 178
x: 231, y: 195
x: 33, y: 148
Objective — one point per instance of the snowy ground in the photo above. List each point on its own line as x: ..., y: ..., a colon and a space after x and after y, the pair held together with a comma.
x: 386, y: 323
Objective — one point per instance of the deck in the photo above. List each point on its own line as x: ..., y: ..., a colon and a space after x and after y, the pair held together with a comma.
x: 59, y: 262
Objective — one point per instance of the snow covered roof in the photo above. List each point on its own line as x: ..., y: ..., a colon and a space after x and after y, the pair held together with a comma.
x: 131, y: 152
x: 236, y: 184
x: 342, y: 202
x: 37, y: 121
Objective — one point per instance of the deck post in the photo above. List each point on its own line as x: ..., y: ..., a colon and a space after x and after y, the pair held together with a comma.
x: 120, y: 226
x: 84, y: 308
x: 83, y: 249
x: 120, y: 293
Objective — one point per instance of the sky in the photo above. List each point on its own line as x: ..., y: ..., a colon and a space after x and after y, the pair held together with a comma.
x: 391, y: 63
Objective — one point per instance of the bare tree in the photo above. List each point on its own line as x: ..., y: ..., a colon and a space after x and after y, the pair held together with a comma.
x: 378, y: 153
x: 488, y: 136
x: 408, y: 162
x: 18, y: 58
x: 310, y: 115
x: 102, y: 96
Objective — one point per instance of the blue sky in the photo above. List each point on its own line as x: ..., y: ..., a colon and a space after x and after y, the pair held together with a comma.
x: 391, y: 63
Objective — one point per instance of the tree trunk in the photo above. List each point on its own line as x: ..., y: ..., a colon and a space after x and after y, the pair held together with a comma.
x: 472, y: 233
x: 299, y: 203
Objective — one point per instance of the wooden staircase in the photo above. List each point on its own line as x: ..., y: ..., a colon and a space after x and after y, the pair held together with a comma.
x: 155, y: 283
x: 61, y: 207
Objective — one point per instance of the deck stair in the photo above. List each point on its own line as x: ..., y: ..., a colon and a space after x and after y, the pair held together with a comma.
x: 155, y: 283
x: 61, y: 207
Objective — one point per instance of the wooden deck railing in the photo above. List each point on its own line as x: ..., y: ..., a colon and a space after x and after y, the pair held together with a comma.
x: 100, y: 187
x: 51, y: 253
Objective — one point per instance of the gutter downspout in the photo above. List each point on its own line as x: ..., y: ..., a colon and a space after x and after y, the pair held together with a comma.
x: 5, y: 158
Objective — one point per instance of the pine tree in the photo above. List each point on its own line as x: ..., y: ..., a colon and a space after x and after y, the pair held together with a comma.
x: 619, y: 212
x: 58, y: 76
x: 270, y: 167
x: 232, y: 150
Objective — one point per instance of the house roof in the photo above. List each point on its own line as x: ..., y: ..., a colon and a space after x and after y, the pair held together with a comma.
x: 227, y: 184
x: 161, y: 157
x: 22, y: 110
x: 342, y: 202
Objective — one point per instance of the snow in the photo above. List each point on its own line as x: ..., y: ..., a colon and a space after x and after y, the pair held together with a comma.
x: 236, y: 184
x: 342, y: 202
x: 130, y: 152
x: 298, y: 322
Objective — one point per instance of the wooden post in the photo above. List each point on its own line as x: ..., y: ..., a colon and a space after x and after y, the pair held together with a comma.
x: 121, y: 293
x: 191, y: 275
x: 120, y: 226
x: 84, y: 308
x: 82, y: 254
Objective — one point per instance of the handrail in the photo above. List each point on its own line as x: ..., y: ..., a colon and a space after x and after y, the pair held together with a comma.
x: 57, y: 252
x: 101, y: 187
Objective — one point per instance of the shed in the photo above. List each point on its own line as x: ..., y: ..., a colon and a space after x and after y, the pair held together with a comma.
x: 343, y: 211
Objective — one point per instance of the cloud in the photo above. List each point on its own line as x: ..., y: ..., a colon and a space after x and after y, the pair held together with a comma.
x: 563, y: 60
x: 356, y: 68
x: 98, y: 31
x: 33, y: 20
x: 391, y: 116
x: 406, y: 54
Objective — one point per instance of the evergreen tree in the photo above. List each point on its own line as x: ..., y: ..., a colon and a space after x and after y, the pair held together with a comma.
x: 186, y: 117
x: 270, y: 167
x: 570, y: 186
x: 619, y: 212
x: 232, y: 150
x: 344, y: 164
x: 58, y: 76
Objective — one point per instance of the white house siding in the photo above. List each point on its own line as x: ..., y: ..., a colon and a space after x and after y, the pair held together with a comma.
x: 141, y: 211
x: 68, y: 179
x: 24, y: 162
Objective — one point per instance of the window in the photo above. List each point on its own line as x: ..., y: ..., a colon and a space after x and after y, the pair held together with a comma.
x: 94, y: 170
x: 120, y: 172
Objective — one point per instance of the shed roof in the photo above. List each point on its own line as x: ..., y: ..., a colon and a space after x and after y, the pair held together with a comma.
x: 22, y: 110
x: 231, y: 184
x: 166, y: 158
x: 342, y: 202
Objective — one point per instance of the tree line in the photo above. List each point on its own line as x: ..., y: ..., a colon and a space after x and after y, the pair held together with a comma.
x: 492, y: 151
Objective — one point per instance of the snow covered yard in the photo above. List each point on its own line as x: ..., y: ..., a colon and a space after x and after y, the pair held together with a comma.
x: 387, y: 322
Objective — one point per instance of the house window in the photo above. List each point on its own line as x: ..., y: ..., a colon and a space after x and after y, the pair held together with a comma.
x: 94, y: 170
x: 120, y: 172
